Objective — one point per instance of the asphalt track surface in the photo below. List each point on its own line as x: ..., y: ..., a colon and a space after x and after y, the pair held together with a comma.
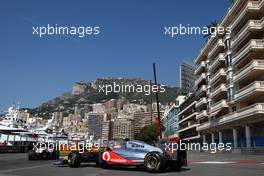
x: 199, y: 164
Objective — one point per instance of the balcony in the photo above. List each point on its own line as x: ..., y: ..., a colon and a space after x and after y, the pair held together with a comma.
x: 188, y: 117
x: 200, y: 79
x: 251, y: 27
x: 250, y: 114
x: 200, y: 68
x: 203, y: 126
x: 252, y: 91
x: 201, y: 102
x: 187, y: 108
x: 218, y: 60
x: 192, y: 137
x: 201, y: 90
x: 188, y: 127
x: 252, y: 70
x: 252, y: 45
x: 219, y: 106
x: 218, y: 90
x: 218, y: 46
x: 220, y: 73
x: 201, y: 115
x: 249, y: 11
x: 201, y: 56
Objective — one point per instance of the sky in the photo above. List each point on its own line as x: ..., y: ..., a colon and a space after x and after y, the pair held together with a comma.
x: 36, y: 69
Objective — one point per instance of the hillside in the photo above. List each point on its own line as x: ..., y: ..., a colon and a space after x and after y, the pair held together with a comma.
x: 88, y: 93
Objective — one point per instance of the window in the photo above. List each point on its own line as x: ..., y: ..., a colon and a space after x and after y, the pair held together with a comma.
x: 228, y: 61
x: 233, y: 108
x: 230, y: 93
x: 228, y: 44
x: 208, y: 105
x: 207, y: 79
x: 207, y: 65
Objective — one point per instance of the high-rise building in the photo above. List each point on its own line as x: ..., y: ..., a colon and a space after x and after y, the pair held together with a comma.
x: 106, y: 131
x: 58, y: 118
x: 230, y: 81
x: 143, y: 119
x: 123, y: 127
x: 187, y: 77
x: 99, y: 125
x: 94, y: 124
x: 139, y: 117
x: 170, y: 119
x: 187, y: 120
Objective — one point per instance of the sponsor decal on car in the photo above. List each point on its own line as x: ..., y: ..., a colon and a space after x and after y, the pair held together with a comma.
x: 113, y: 158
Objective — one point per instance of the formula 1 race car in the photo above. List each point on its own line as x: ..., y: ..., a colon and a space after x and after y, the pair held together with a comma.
x: 134, y: 153
x: 43, y: 152
x: 138, y: 153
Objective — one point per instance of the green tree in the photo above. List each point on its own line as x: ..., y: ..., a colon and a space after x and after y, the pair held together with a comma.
x: 149, y: 134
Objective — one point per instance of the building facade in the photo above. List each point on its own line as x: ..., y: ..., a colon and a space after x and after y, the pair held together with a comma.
x: 170, y: 119
x: 106, y: 127
x: 230, y: 81
x: 123, y: 128
x: 94, y: 124
x: 187, y: 120
x: 187, y: 77
x: 99, y: 125
x: 143, y: 119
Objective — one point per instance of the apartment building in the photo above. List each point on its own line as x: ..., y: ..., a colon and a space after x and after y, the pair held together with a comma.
x: 94, y: 124
x: 187, y: 120
x: 106, y: 127
x: 123, y: 127
x: 143, y: 119
x: 99, y: 125
x: 230, y: 79
x: 170, y: 119
x: 187, y: 77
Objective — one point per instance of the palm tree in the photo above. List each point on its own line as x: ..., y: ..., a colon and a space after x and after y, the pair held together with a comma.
x: 213, y: 25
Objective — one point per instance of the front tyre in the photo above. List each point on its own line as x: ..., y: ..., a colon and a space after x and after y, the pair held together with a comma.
x: 74, y: 159
x: 154, y: 162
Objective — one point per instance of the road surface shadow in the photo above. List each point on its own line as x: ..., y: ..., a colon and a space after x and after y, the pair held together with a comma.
x: 128, y: 168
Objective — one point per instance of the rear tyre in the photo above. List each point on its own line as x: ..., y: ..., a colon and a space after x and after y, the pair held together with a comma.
x: 74, y: 159
x: 31, y: 155
x: 154, y: 162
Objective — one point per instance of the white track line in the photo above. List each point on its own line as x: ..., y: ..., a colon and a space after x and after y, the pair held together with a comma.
x: 213, y: 162
x: 226, y: 162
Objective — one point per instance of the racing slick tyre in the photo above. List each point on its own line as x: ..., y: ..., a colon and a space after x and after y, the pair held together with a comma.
x: 74, y: 159
x: 154, y: 162
x: 31, y: 155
